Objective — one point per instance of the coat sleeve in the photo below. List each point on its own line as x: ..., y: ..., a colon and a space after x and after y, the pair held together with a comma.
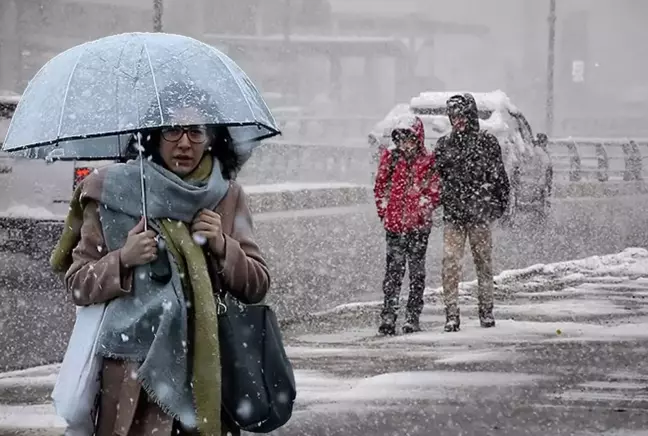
x: 431, y: 192
x: 440, y: 156
x: 96, y: 275
x: 242, y: 268
x: 502, y: 187
x: 380, y: 185
x: 439, y: 166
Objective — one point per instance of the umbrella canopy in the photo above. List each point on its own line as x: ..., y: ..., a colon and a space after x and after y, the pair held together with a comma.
x: 136, y: 81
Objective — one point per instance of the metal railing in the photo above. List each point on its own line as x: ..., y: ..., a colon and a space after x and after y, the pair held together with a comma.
x: 598, y: 160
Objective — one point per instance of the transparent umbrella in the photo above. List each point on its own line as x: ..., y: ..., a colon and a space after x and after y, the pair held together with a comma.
x: 135, y: 82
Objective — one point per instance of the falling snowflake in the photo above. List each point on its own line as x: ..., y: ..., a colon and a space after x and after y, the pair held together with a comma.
x: 199, y: 239
x: 124, y: 337
x: 283, y: 397
x: 245, y: 408
x: 162, y: 389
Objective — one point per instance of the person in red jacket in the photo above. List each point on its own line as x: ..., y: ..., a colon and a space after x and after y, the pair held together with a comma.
x: 406, y: 192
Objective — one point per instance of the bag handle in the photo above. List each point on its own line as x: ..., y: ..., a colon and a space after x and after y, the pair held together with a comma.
x: 218, y: 286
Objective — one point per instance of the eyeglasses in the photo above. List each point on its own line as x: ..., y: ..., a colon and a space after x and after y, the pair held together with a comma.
x: 196, y: 134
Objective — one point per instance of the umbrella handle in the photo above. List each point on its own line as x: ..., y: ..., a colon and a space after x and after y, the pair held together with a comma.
x: 142, y: 181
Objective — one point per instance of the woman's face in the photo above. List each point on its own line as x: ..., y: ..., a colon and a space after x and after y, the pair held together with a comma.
x: 182, y: 148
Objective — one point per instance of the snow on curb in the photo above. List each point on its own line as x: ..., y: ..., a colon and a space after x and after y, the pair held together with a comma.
x: 631, y: 262
x: 37, y: 371
x: 30, y: 417
x: 39, y: 377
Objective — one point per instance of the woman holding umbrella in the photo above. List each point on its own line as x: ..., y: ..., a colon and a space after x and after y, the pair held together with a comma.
x: 161, y: 370
x: 158, y: 253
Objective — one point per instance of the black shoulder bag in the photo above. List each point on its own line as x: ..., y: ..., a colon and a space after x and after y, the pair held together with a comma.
x: 258, y: 383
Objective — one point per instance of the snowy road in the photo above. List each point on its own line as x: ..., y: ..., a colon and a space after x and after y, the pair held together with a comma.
x: 569, y: 357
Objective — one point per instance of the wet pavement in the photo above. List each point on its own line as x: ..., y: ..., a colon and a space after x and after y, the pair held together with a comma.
x: 318, y: 258
x: 569, y: 356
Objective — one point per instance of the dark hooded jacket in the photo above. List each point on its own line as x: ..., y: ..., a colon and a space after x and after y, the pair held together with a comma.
x: 474, y: 184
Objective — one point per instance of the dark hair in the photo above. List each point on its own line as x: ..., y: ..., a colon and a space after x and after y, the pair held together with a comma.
x: 221, y: 147
x: 181, y: 95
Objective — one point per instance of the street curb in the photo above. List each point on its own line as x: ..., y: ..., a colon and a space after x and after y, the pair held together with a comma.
x: 13, y: 431
x: 28, y: 386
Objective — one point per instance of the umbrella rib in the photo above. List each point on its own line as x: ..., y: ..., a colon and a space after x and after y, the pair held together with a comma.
x: 155, y: 86
x: 67, y: 89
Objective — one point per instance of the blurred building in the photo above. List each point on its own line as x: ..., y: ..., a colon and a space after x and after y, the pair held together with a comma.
x: 364, y: 56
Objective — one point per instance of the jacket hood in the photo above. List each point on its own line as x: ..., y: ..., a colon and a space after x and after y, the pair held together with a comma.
x: 465, y: 104
x: 410, y: 123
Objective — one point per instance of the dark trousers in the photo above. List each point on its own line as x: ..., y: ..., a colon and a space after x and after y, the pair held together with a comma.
x: 405, y: 249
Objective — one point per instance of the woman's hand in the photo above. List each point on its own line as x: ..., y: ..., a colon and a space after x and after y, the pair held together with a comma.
x: 140, y: 247
x: 207, y: 227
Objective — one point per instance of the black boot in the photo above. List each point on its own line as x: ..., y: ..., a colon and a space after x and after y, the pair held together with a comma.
x: 486, y: 318
x: 387, y: 324
x: 453, y: 321
x: 412, y: 324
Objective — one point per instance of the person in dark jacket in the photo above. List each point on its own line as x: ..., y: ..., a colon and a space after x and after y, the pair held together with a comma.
x: 406, y: 192
x: 474, y: 192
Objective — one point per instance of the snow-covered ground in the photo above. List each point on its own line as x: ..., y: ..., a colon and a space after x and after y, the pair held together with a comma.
x: 570, y: 336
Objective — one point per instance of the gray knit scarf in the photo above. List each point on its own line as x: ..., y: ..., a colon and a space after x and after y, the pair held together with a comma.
x: 151, y: 326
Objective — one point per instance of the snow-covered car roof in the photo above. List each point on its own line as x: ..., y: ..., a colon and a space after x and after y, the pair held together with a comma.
x: 495, y: 101
x: 430, y: 107
x: 384, y: 126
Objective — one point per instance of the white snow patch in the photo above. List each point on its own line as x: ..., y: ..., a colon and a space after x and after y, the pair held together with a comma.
x: 35, y: 371
x: 292, y: 187
x: 32, y: 416
x: 391, y: 387
x: 561, y: 308
x: 507, y: 331
x: 601, y: 396
x: 495, y: 100
x: 44, y: 376
x: 469, y: 356
x: 616, y: 333
x: 15, y: 382
x: 630, y: 264
x: 510, y: 331
x: 613, y: 385
x: 21, y: 210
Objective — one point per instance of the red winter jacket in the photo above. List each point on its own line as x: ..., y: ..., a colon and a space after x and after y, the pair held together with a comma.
x: 406, y: 188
